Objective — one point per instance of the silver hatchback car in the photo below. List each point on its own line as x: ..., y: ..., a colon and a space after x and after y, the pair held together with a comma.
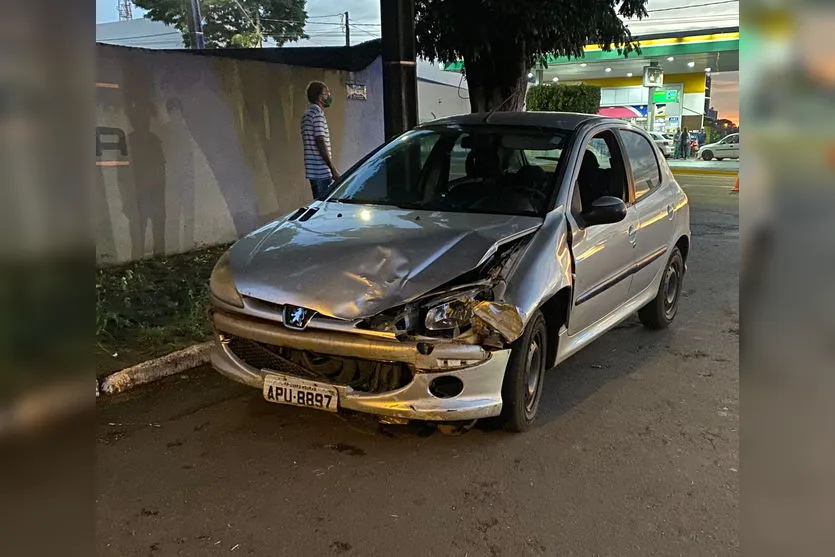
x: 453, y: 266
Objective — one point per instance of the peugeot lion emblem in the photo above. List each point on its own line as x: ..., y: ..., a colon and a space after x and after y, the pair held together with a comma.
x: 296, y: 317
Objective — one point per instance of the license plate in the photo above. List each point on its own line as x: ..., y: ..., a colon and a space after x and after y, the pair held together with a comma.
x: 284, y: 389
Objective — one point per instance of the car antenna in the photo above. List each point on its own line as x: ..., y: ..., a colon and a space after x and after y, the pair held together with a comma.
x: 504, y: 102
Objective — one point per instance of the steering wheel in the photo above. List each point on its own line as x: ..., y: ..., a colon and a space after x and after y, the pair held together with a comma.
x: 522, y: 189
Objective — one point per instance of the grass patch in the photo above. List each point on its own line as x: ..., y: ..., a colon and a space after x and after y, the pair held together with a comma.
x: 152, y: 307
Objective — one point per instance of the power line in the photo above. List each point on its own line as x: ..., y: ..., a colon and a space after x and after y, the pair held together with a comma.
x: 686, y: 18
x: 246, y: 13
x: 693, y: 6
x: 324, y: 16
x: 370, y: 34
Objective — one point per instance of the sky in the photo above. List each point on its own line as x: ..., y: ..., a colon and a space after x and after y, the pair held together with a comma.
x: 324, y: 27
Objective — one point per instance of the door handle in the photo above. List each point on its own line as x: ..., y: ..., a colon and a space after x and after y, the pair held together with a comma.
x: 632, y: 233
x: 670, y: 212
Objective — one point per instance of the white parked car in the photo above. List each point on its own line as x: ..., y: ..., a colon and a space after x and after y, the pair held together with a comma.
x: 427, y: 289
x: 727, y: 148
x: 664, y: 143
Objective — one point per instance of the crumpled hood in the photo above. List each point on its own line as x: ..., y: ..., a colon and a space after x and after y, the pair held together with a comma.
x: 354, y: 261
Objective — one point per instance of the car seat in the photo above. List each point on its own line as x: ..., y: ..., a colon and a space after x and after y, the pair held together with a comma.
x: 589, y: 181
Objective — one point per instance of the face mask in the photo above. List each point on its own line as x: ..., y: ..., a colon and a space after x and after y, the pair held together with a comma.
x: 328, y: 101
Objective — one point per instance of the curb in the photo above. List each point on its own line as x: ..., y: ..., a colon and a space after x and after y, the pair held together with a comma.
x: 156, y: 369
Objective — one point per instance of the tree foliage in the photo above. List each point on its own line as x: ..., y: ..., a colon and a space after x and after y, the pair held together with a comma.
x: 564, y: 98
x: 233, y: 23
x: 499, y: 40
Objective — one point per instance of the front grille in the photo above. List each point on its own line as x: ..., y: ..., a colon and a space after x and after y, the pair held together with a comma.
x: 362, y: 375
x: 263, y: 356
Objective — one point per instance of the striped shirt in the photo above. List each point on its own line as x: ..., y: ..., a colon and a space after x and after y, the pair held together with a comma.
x: 314, y: 125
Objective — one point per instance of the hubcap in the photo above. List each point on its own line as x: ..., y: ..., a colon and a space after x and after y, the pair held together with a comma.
x: 533, y: 373
x: 671, y: 292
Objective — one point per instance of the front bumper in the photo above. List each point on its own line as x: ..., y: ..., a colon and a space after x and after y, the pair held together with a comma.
x: 481, y: 396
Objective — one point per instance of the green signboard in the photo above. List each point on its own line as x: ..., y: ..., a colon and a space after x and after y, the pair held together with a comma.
x: 665, y: 96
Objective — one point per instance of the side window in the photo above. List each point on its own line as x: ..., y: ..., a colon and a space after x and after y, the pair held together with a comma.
x: 645, y: 171
x: 600, y: 149
x: 601, y: 173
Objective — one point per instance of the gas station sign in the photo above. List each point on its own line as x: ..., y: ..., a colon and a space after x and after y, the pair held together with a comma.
x: 665, y: 96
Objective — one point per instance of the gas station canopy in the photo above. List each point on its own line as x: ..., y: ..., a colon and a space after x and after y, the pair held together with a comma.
x: 714, y: 50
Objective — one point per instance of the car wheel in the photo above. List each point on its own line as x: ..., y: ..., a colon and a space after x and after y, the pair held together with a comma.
x: 660, y: 312
x: 707, y: 155
x: 523, y: 379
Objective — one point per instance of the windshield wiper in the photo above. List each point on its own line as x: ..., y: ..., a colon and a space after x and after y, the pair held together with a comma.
x: 350, y: 201
x: 384, y: 202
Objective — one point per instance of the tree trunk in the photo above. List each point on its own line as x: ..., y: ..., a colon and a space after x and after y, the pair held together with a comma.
x: 497, y: 79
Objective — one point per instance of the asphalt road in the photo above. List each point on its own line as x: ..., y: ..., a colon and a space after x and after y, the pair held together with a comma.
x: 636, y: 452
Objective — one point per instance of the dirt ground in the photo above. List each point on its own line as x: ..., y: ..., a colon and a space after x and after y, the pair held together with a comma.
x: 636, y: 452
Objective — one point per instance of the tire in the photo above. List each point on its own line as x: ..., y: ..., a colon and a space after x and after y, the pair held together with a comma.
x: 524, y: 376
x: 707, y: 155
x: 660, y: 312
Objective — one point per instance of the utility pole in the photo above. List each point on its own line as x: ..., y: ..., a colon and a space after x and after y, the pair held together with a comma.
x: 347, y: 29
x: 196, y: 25
x: 399, y: 66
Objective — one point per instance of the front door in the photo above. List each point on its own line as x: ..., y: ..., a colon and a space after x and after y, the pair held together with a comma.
x: 603, y: 254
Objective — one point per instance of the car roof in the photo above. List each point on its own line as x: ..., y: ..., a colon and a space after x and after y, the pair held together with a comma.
x: 556, y: 120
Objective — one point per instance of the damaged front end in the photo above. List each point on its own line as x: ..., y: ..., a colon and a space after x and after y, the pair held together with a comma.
x: 439, y: 357
x: 469, y: 309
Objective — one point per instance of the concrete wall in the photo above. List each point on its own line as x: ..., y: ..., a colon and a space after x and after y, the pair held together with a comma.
x: 437, y: 100
x: 440, y: 93
x: 200, y: 150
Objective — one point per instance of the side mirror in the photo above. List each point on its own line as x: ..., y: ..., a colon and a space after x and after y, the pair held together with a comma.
x: 605, y: 210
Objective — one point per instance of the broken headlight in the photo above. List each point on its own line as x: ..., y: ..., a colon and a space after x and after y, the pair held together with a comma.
x: 484, y: 316
x: 449, y: 315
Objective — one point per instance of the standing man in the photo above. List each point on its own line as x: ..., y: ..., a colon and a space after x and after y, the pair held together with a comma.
x: 677, y: 144
x: 685, y: 143
x: 316, y: 139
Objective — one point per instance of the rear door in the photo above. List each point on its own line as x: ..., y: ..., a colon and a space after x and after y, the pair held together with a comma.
x: 654, y: 209
x: 733, y: 151
x: 603, y: 254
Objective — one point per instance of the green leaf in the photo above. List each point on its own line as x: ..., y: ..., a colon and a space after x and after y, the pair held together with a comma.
x: 233, y: 23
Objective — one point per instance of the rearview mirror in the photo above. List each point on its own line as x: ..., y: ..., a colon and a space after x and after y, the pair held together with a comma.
x: 605, y: 210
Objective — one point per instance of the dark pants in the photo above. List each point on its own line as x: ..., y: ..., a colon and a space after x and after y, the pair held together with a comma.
x: 320, y: 187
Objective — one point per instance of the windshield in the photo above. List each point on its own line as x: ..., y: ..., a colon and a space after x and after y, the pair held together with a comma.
x: 480, y: 170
